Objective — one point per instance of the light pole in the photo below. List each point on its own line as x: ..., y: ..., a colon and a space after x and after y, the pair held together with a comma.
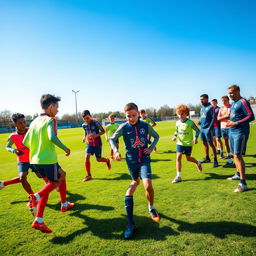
x: 76, y: 92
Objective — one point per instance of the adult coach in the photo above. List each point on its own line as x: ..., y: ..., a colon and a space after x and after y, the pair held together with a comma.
x: 206, y: 133
x: 241, y: 115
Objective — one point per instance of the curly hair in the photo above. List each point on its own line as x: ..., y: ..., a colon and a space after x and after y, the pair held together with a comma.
x: 182, y: 108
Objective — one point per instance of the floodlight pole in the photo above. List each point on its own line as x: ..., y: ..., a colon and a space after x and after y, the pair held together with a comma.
x: 76, y: 92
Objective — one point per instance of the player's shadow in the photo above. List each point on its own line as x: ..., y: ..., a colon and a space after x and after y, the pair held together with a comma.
x: 251, y: 156
x: 124, y: 176
x: 166, y: 152
x: 160, y: 160
x: 19, y: 202
x: 112, y: 228
x: 218, y: 229
x: 224, y: 177
x: 250, y: 164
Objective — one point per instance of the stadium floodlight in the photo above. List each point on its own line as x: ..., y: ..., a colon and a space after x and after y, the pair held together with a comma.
x: 76, y: 92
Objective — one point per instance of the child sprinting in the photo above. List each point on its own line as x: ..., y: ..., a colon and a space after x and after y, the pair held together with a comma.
x: 135, y: 133
x: 41, y: 139
x: 184, y: 137
x: 22, y: 153
x: 92, y: 132
x: 110, y: 130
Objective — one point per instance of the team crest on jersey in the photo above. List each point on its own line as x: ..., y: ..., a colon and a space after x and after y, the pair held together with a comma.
x: 142, y: 131
x: 137, y: 142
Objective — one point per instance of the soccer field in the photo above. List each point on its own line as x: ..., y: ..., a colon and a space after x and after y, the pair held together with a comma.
x: 199, y: 216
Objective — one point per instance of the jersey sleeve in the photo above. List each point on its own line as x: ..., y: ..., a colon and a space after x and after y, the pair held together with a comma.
x: 155, y: 135
x: 196, y: 129
x: 99, y: 126
x: 176, y: 131
x: 247, y: 111
x: 106, y: 134
x: 52, y: 136
x: 112, y: 140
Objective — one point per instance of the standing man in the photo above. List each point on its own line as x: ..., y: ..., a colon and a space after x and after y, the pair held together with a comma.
x: 206, y: 133
x: 240, y: 116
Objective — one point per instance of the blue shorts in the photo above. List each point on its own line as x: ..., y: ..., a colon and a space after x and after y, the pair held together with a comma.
x: 93, y: 150
x: 51, y: 171
x: 206, y: 135
x: 225, y: 133
x: 217, y: 132
x: 186, y: 150
x: 23, y: 167
x: 238, y: 143
x: 140, y: 170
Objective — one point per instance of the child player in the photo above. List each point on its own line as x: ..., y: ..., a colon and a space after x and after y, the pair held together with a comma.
x: 184, y: 137
x: 22, y: 152
x: 135, y: 134
x: 92, y: 132
x: 41, y: 139
x: 149, y: 120
x: 110, y: 130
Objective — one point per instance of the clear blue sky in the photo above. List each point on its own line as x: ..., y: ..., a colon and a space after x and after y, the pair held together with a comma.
x: 148, y: 52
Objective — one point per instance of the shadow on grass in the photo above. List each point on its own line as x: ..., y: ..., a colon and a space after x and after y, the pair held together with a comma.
x: 219, y: 229
x: 251, y: 156
x: 19, y: 202
x: 224, y: 177
x: 111, y: 228
x: 161, y: 160
x: 166, y: 152
x: 250, y: 164
x: 125, y: 176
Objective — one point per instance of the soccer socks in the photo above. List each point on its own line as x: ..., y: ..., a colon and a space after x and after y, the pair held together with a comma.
x: 47, y: 189
x: 129, y: 209
x: 45, y: 180
x: 242, y: 181
x: 178, y: 174
x: 150, y: 207
x: 88, y: 167
x: 63, y: 190
x: 12, y: 181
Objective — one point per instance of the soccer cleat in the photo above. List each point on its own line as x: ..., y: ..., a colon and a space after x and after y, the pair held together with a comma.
x: 222, y: 155
x: 88, y: 177
x: 32, y: 203
x: 240, y: 188
x: 215, y: 164
x: 2, y: 185
x: 199, y: 166
x: 177, y: 179
x: 234, y: 177
x: 65, y: 208
x: 109, y: 164
x: 229, y: 165
x: 154, y: 215
x: 41, y: 226
x: 128, y: 233
x: 205, y: 160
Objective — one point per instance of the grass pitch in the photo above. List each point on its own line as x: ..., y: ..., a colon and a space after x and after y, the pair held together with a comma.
x: 200, y: 216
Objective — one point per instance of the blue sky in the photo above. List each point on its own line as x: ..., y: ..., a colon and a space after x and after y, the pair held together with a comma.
x: 148, y: 52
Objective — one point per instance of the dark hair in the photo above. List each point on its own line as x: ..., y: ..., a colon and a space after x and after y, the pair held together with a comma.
x: 234, y: 87
x: 142, y: 111
x: 48, y: 99
x: 86, y: 113
x: 225, y: 97
x: 15, y: 117
x: 130, y: 106
x: 214, y: 100
x: 205, y: 96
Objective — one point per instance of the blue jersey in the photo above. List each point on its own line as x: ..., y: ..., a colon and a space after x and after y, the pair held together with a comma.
x: 94, y: 127
x: 207, y: 116
x: 241, y: 112
x: 136, y: 140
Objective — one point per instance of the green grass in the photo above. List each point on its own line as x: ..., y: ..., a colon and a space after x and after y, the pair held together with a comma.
x: 200, y: 216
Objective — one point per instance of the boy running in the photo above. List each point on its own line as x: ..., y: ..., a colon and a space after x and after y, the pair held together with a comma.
x: 135, y: 133
x: 92, y: 132
x: 41, y: 139
x: 110, y: 130
x: 185, y: 139
x: 241, y: 115
x: 22, y: 152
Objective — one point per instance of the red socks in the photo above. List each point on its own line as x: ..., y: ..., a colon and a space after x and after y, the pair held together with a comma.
x: 12, y: 181
x: 63, y: 190
x: 88, y: 167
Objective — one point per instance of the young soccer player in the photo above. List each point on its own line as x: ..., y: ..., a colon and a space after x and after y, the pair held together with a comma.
x: 149, y: 120
x: 185, y: 139
x: 206, y: 132
x: 135, y: 134
x: 223, y: 117
x: 217, y: 132
x: 241, y: 115
x: 41, y: 139
x: 22, y: 152
x: 92, y: 132
x: 110, y: 130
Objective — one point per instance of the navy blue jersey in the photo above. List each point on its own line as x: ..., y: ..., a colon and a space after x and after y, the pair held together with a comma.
x: 93, y: 128
x: 206, y: 116
x: 136, y: 140
x: 241, y: 112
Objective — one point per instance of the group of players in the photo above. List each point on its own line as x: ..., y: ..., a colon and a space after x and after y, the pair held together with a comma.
x: 35, y: 148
